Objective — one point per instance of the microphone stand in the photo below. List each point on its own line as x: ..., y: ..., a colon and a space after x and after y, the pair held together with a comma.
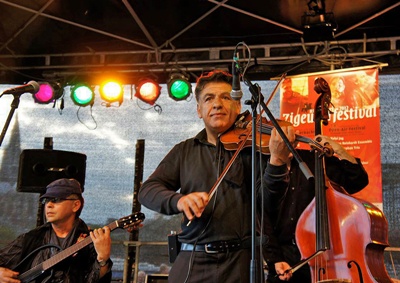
x: 257, y: 97
x: 14, y: 105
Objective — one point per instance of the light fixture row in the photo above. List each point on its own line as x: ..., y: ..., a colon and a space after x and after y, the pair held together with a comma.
x: 147, y: 89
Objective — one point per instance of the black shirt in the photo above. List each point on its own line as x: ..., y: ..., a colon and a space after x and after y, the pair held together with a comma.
x: 194, y: 166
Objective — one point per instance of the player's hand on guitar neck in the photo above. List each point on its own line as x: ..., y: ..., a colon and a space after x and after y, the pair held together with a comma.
x: 102, y: 242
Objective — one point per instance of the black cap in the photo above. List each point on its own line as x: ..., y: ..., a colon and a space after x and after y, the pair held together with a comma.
x: 62, y: 188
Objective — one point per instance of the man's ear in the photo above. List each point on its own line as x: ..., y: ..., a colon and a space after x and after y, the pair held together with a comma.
x: 239, y: 107
x: 198, y: 111
x: 77, y: 205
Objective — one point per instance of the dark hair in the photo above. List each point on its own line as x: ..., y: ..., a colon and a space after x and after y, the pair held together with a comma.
x: 80, y: 198
x: 211, y: 77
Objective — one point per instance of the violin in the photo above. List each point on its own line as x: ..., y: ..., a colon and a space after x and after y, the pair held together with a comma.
x: 241, y: 133
x: 239, y: 136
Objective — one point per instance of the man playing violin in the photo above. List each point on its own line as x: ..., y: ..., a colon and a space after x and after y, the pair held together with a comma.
x: 216, y: 231
x: 289, y: 193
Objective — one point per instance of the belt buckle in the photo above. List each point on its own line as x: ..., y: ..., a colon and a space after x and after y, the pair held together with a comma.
x: 209, y: 251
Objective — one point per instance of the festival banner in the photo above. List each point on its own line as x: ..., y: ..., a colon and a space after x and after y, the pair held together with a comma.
x: 353, y: 119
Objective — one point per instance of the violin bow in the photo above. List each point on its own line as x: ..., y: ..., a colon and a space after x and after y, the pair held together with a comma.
x: 228, y: 166
x: 240, y: 147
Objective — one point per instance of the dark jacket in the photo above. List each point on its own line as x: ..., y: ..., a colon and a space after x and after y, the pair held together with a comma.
x: 29, y: 250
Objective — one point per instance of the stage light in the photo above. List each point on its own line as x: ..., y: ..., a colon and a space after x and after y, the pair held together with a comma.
x: 82, y: 95
x: 148, y: 90
x: 179, y: 88
x: 111, y: 91
x: 48, y: 92
x: 317, y: 6
x: 317, y: 24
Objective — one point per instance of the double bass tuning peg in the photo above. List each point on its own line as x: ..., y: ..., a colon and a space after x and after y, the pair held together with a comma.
x: 325, y: 150
x: 328, y: 150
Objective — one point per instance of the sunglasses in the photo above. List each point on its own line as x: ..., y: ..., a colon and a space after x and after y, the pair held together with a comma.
x: 56, y: 200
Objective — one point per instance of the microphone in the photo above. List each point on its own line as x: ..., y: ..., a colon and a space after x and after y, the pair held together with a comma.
x: 31, y: 87
x: 236, y: 92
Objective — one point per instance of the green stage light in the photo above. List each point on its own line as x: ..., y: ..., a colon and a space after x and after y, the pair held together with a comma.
x: 82, y: 95
x: 179, y: 88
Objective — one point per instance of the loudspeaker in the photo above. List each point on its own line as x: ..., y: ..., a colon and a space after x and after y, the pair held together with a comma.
x: 40, y: 167
x: 156, y: 278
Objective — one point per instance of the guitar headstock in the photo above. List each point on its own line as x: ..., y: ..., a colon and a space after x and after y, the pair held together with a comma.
x: 130, y: 220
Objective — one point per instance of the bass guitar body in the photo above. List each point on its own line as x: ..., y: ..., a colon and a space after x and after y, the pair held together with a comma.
x: 358, y: 237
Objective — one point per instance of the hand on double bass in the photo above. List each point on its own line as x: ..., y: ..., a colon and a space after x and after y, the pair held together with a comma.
x: 283, y: 271
x: 336, y: 148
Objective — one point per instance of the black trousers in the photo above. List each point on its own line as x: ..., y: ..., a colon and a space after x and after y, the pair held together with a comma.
x: 231, y: 267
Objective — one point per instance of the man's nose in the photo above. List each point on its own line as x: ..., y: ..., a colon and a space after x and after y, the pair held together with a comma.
x: 49, y: 204
x: 217, y: 102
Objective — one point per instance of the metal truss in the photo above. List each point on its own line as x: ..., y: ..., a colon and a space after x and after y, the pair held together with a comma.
x: 332, y: 55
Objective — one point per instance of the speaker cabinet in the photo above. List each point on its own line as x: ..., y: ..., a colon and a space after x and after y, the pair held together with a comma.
x: 40, y: 167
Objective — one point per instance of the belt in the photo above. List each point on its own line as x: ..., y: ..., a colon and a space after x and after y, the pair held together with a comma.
x: 217, y: 247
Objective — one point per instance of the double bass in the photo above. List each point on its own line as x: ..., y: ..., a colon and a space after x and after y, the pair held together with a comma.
x: 341, y: 237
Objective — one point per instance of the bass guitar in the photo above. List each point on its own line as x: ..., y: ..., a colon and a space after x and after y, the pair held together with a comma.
x: 33, y: 273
